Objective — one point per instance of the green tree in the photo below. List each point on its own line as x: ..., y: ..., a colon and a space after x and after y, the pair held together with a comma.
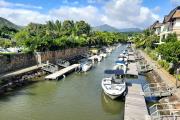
x: 171, y: 38
x: 67, y: 27
x: 5, y: 43
x: 82, y: 28
x: 170, y: 51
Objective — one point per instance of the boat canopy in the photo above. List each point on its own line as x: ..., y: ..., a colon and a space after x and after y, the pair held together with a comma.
x: 120, y: 62
x: 116, y: 72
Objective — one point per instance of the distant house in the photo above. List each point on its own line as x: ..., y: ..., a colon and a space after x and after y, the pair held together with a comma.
x: 171, y: 24
x: 156, y: 27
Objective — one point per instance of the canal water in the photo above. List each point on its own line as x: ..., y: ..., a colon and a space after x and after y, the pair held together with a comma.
x: 77, y: 97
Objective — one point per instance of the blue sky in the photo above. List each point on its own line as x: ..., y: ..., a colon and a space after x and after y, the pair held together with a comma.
x: 117, y: 13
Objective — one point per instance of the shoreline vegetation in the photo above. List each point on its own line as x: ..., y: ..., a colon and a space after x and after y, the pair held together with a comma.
x: 167, y: 54
x: 165, y: 58
x: 58, y: 35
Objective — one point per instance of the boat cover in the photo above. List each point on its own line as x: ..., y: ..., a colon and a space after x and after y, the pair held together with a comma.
x: 116, y: 72
x: 121, y: 62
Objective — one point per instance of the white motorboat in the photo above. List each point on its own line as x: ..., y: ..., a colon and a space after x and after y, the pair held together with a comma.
x: 96, y: 58
x: 114, y: 87
x: 108, y: 50
x: 120, y: 65
x: 86, y: 67
x: 123, y: 57
x: 104, y: 55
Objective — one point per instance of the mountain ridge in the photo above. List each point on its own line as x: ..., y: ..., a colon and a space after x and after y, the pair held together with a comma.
x: 108, y: 28
x: 7, y: 23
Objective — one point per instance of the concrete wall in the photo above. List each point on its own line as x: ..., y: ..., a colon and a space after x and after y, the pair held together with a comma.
x: 18, y: 61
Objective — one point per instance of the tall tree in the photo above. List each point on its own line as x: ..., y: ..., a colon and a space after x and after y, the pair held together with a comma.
x: 67, y: 27
x: 82, y: 28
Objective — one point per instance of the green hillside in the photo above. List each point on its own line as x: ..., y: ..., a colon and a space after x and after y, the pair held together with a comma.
x: 109, y: 28
x: 5, y: 22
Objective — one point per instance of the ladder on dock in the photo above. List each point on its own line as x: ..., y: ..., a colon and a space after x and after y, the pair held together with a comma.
x: 51, y: 68
x: 157, y: 90
x: 165, y: 111
x: 62, y: 63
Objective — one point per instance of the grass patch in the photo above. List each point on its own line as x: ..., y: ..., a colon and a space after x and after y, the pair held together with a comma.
x: 164, y: 64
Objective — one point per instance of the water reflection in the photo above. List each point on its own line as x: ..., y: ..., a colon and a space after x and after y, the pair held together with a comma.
x: 111, y: 106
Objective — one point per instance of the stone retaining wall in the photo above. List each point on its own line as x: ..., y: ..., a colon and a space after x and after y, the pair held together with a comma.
x: 14, y: 62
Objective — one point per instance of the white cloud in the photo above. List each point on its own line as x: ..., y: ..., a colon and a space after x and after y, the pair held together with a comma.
x: 23, y: 16
x: 4, y: 3
x: 156, y: 9
x: 175, y: 2
x: 88, y: 13
x: 128, y: 13
x: 118, y: 13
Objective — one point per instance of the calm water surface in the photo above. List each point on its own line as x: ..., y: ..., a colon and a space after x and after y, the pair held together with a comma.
x: 77, y: 97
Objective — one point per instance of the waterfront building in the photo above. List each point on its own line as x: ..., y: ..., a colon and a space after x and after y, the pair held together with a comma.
x: 156, y: 27
x: 170, y: 24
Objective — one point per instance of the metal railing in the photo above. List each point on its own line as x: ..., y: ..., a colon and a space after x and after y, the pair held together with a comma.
x: 165, y: 111
x: 157, y: 90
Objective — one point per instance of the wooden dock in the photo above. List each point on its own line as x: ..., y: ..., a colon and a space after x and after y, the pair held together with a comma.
x: 61, y: 72
x: 135, y: 105
x: 132, y: 69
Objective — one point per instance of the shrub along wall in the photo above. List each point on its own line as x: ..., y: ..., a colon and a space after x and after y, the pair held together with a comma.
x: 18, y: 61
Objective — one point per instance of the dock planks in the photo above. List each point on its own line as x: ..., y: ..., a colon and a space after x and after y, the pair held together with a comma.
x: 61, y: 72
x: 132, y: 69
x: 135, y: 105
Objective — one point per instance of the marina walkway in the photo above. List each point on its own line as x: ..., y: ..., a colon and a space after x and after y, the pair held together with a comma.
x: 135, y: 105
x: 132, y: 69
x: 61, y: 72
x: 21, y: 71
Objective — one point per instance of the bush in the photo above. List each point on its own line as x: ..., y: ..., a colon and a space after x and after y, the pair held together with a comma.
x: 152, y: 54
x: 164, y: 64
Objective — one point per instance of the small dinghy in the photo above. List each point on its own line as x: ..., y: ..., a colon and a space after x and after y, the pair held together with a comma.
x: 114, y: 86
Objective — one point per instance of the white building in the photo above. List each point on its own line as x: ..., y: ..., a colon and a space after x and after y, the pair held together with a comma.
x: 171, y: 24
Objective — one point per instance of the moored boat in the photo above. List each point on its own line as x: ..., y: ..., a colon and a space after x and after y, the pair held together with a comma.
x: 120, y: 65
x: 115, y: 86
x: 104, y: 55
x: 95, y: 58
x: 86, y: 67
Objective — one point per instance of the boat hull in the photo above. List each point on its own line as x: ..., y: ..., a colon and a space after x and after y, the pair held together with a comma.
x: 86, y: 68
x: 109, y: 90
x: 113, y: 96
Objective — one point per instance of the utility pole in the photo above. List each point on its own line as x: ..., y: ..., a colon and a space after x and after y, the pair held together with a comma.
x: 177, y: 77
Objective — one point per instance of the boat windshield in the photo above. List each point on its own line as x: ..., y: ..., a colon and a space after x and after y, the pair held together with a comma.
x: 118, y: 79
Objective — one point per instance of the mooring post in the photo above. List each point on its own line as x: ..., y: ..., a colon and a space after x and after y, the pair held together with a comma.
x: 177, y: 77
